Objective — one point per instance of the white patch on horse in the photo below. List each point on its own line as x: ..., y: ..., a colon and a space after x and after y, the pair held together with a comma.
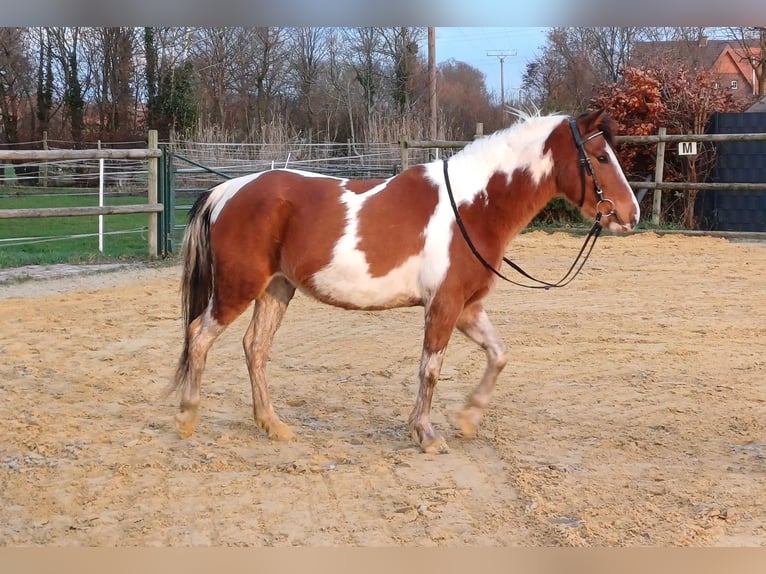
x: 614, y: 225
x: 347, y: 277
x: 519, y: 147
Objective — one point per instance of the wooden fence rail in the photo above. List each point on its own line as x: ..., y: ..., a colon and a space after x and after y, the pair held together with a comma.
x: 75, y: 211
x: 152, y: 207
x: 660, y: 139
x: 68, y: 154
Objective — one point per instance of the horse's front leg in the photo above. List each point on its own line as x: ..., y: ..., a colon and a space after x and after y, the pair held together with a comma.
x: 474, y: 323
x: 440, y: 321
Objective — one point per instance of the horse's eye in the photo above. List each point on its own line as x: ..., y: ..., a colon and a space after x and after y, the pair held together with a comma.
x: 603, y: 159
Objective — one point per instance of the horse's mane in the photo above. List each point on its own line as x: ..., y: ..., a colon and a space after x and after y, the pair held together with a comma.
x: 607, y: 124
x: 525, y: 113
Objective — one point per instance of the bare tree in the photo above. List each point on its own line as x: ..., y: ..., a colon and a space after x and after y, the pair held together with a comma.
x: 331, y: 83
x: 110, y: 52
x: 610, y: 49
x: 260, y: 59
x: 15, y: 71
x: 464, y: 100
x: 215, y: 56
x: 363, y: 55
x: 75, y: 76
x: 41, y: 38
x: 400, y: 47
x: 340, y: 84
x: 562, y: 77
x: 310, y: 51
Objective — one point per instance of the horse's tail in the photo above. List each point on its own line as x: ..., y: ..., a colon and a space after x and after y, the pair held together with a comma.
x: 196, y: 280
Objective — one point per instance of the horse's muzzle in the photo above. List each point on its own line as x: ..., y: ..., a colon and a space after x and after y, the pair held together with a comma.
x: 618, y: 226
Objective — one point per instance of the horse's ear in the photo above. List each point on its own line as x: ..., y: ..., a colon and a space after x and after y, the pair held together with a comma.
x: 593, y: 119
x: 598, y: 120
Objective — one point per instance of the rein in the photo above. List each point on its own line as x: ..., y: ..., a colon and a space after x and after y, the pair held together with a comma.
x: 595, y: 231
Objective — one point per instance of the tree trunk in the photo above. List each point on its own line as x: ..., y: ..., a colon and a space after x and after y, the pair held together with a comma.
x: 44, y: 83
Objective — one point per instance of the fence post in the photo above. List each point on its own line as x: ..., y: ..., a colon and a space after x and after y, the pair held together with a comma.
x: 403, y: 146
x: 659, y: 168
x: 100, y: 201
x: 153, y: 173
x: 45, y: 164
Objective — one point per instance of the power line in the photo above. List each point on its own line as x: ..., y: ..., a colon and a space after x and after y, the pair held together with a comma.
x: 502, y: 55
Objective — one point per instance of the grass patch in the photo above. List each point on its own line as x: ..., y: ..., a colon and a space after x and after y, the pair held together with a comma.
x: 72, y: 239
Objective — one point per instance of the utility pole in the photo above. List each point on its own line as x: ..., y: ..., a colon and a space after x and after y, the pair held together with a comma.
x: 502, y: 54
x: 432, y: 79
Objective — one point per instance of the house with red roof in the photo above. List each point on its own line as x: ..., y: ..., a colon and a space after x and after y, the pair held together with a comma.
x: 732, y: 67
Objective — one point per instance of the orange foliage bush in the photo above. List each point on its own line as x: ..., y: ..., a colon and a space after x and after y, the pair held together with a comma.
x: 670, y: 96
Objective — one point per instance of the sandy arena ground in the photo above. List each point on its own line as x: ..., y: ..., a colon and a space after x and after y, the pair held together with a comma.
x: 632, y: 413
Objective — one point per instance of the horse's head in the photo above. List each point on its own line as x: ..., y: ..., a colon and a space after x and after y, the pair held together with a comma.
x: 590, y: 175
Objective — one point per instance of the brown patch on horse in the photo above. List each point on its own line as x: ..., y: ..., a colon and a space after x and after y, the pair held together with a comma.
x: 282, y: 234
x: 491, y: 225
x: 246, y: 256
x: 512, y: 206
x: 389, y: 234
x: 566, y: 166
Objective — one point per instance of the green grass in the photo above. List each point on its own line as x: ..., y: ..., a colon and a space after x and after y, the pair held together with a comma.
x: 49, y: 239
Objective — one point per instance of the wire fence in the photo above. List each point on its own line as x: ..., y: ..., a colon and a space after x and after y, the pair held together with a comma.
x: 80, y: 174
x: 341, y: 160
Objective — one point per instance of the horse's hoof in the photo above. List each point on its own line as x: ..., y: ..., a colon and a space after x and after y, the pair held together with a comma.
x: 281, y: 433
x: 436, y: 445
x: 186, y: 421
x: 466, y: 424
x: 277, y: 430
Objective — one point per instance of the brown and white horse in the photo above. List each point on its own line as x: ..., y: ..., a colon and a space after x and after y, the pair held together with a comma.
x: 380, y: 244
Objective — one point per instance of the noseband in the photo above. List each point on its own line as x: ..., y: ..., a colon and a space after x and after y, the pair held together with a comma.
x: 595, y: 231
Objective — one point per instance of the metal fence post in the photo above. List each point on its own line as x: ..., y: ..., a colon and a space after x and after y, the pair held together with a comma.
x: 162, y: 184
x: 170, y: 198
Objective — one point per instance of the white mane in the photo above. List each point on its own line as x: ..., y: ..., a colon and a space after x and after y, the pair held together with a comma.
x: 519, y: 146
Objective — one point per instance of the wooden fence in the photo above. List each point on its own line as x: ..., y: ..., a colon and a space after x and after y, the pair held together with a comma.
x: 661, y: 139
x: 152, y: 207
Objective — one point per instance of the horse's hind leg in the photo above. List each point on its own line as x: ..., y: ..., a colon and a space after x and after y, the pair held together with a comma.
x: 269, y: 309
x: 475, y: 324
x: 203, y: 331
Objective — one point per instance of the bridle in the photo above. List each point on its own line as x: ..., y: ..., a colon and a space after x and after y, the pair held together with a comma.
x: 585, y: 166
x: 595, y: 231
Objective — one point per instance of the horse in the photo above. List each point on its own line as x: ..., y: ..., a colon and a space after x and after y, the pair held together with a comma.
x: 377, y: 244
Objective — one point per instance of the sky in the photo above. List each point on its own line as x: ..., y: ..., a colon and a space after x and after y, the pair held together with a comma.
x: 470, y: 45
